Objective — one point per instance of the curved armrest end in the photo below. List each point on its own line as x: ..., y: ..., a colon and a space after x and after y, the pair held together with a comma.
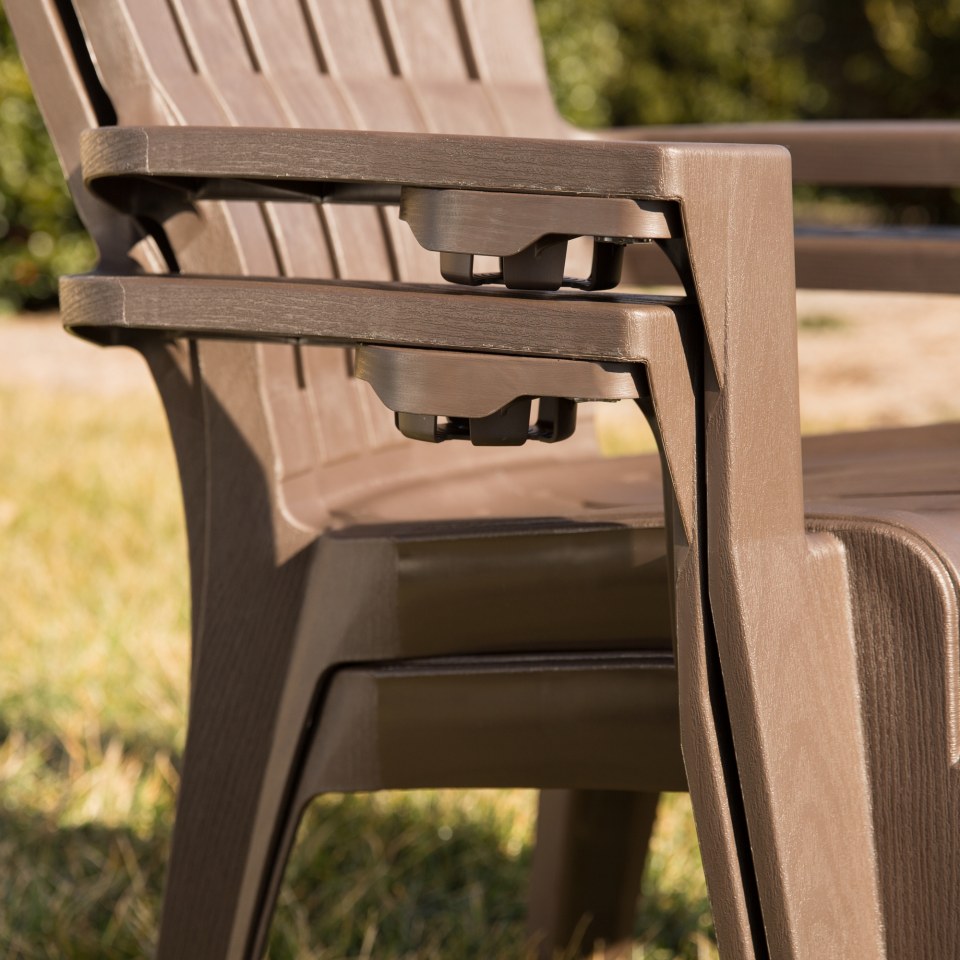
x: 205, y: 160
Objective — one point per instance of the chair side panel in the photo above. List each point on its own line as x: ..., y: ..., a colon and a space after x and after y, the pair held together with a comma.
x: 390, y: 64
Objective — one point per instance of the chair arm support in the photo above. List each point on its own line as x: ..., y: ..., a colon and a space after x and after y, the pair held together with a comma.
x: 134, y: 168
x: 895, y: 153
x: 607, y: 329
x: 363, y: 166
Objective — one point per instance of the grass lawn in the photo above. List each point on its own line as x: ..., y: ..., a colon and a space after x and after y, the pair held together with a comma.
x: 93, y: 641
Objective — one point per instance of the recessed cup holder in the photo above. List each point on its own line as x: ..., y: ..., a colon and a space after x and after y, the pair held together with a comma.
x: 488, y: 399
x: 510, y: 426
x: 529, y: 234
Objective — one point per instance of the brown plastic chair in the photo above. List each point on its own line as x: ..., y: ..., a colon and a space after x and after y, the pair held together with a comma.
x: 370, y: 612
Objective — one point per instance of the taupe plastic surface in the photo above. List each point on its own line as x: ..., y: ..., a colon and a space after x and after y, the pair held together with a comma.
x: 893, y: 153
x: 350, y: 586
x: 529, y: 234
x: 470, y: 221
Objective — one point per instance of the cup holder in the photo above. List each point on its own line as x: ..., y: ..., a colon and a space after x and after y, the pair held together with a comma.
x: 487, y: 399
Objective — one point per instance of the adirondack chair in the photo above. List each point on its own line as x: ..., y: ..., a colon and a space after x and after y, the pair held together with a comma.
x: 373, y: 612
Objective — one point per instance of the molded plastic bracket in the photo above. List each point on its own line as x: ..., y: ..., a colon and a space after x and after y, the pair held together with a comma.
x: 529, y: 233
x: 487, y: 399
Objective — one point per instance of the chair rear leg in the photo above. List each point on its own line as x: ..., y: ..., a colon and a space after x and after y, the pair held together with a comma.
x: 587, y: 867
x: 263, y: 657
x: 254, y: 673
x: 242, y: 733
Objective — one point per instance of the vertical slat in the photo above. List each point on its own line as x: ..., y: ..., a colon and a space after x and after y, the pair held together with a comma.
x: 371, y: 53
x: 505, y: 41
x: 293, y: 62
x: 291, y: 59
x: 150, y: 79
x: 431, y: 57
x: 505, y: 44
x: 187, y: 61
x: 362, y: 57
x: 361, y: 62
x: 340, y: 425
x: 290, y: 62
x: 224, y: 57
x: 339, y: 402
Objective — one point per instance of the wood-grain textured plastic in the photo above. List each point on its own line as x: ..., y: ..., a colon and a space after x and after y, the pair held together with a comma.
x: 813, y: 646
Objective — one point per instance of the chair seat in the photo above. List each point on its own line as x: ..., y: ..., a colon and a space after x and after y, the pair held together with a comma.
x: 545, y: 555
x: 905, y: 465
x: 481, y: 577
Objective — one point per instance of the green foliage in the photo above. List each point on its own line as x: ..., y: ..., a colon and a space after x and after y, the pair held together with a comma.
x: 612, y: 63
x: 40, y: 234
x: 886, y: 59
x: 882, y: 58
x: 627, y: 62
x: 624, y: 62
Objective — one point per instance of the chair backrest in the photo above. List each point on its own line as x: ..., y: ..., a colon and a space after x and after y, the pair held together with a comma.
x: 453, y: 66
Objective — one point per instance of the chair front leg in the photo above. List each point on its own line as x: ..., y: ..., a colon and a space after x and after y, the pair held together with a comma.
x: 778, y: 637
x: 259, y: 657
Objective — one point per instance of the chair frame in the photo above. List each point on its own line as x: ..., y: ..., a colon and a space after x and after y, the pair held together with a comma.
x: 759, y: 590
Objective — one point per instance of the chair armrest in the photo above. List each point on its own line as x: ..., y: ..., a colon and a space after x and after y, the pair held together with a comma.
x: 842, y: 153
x: 606, y: 329
x: 529, y: 344
x: 157, y: 171
x: 895, y: 153
x: 119, y: 164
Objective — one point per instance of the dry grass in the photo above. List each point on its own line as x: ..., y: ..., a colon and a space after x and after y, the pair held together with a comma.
x: 91, y: 703
x: 93, y: 642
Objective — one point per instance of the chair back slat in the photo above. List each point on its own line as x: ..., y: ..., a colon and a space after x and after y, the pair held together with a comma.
x: 438, y: 68
x: 505, y: 46
x: 145, y: 65
x: 220, y: 46
x: 347, y: 418
x: 356, y: 242
x: 284, y: 40
x: 393, y: 65
x: 337, y: 418
x: 211, y: 80
x: 151, y: 76
x: 359, y: 55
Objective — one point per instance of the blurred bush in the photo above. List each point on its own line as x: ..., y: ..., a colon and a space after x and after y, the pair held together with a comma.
x: 881, y: 58
x: 40, y: 234
x: 612, y: 63
x: 625, y: 62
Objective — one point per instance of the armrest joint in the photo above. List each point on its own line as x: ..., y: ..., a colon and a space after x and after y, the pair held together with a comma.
x: 529, y: 234
x: 440, y: 395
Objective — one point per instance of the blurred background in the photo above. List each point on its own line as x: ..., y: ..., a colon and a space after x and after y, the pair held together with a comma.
x: 94, y: 607
x: 612, y: 63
